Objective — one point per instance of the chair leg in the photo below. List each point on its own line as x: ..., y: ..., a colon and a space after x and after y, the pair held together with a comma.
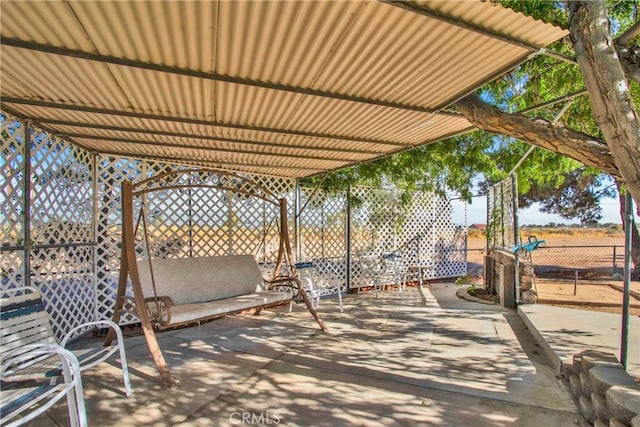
x: 125, y: 370
x: 340, y: 298
x: 123, y: 361
x: 75, y: 404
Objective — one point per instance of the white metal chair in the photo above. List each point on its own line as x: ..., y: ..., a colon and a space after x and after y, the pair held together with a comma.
x: 19, y: 405
x: 394, y: 270
x: 370, y: 271
x: 318, y: 283
x: 25, y: 321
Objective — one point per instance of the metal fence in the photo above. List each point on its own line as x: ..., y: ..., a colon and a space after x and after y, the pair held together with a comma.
x: 60, y: 224
x: 597, y: 262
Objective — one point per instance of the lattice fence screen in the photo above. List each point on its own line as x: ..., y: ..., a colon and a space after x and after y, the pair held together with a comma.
x: 59, y: 238
x: 501, y: 215
x: 421, y: 230
x: 74, y: 224
x: 322, y: 233
x: 12, y: 202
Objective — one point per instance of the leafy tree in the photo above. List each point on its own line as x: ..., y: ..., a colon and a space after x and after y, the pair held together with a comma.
x: 601, y: 127
x: 592, y: 132
x: 576, y: 196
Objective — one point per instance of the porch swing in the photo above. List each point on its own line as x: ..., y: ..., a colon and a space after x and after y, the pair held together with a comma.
x: 174, y: 292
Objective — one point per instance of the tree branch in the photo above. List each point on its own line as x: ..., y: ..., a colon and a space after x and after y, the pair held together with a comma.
x: 628, y: 36
x: 629, y: 60
x: 608, y: 88
x: 629, y: 54
x: 557, y: 138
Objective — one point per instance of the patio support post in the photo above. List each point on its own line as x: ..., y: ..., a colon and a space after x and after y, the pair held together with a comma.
x: 516, y: 234
x: 488, y: 225
x: 322, y: 237
x: 297, y: 229
x: 502, y: 236
x: 27, y: 203
x: 229, y: 223
x: 94, y: 233
x: 628, y: 219
x: 348, y: 238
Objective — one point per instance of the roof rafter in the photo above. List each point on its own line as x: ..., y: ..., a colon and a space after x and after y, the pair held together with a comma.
x: 191, y: 160
x: 435, y: 14
x: 197, y: 147
x: 105, y: 111
x: 98, y: 126
x: 107, y: 59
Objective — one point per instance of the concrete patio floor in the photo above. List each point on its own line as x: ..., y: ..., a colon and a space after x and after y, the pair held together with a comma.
x: 402, y: 359
x: 563, y: 332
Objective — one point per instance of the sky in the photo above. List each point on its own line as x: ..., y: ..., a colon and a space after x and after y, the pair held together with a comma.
x: 477, y: 213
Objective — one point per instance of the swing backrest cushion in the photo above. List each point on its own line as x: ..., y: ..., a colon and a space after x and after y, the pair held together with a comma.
x: 192, y: 280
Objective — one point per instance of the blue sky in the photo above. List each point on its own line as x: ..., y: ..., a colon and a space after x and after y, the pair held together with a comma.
x: 477, y: 213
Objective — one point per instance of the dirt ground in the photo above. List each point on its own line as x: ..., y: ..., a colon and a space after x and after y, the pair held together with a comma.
x: 596, y: 295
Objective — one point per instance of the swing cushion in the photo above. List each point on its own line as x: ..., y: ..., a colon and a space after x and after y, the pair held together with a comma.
x: 202, y: 310
x: 199, y: 280
x: 194, y: 289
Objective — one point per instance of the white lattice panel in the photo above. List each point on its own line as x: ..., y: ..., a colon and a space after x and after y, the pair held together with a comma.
x: 60, y: 219
x: 422, y: 231
x: 210, y: 220
x: 322, y: 235
x: 61, y: 191
x: 65, y: 279
x: 11, y: 181
x: 449, y: 242
x: 168, y: 223
x: 11, y: 269
x: 110, y: 174
x: 375, y: 221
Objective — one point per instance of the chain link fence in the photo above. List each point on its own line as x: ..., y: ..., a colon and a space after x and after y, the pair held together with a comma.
x: 591, y: 262
x: 597, y: 262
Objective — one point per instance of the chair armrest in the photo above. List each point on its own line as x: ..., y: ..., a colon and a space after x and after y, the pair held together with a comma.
x: 100, y: 323
x: 291, y: 282
x: 163, y: 299
x: 12, y: 360
x: 164, y: 304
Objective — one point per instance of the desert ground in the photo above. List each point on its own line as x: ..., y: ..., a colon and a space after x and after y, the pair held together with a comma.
x: 588, y: 251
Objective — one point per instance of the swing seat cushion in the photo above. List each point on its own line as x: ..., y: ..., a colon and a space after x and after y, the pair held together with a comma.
x: 196, y: 280
x: 203, y: 310
x: 192, y: 289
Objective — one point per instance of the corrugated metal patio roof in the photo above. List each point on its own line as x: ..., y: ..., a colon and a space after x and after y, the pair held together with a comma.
x: 282, y: 88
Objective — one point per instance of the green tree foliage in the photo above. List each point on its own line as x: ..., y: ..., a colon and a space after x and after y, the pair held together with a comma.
x: 577, y: 197
x: 451, y: 164
x: 562, y: 185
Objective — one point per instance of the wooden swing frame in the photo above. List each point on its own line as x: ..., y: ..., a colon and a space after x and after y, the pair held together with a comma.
x: 195, y: 178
